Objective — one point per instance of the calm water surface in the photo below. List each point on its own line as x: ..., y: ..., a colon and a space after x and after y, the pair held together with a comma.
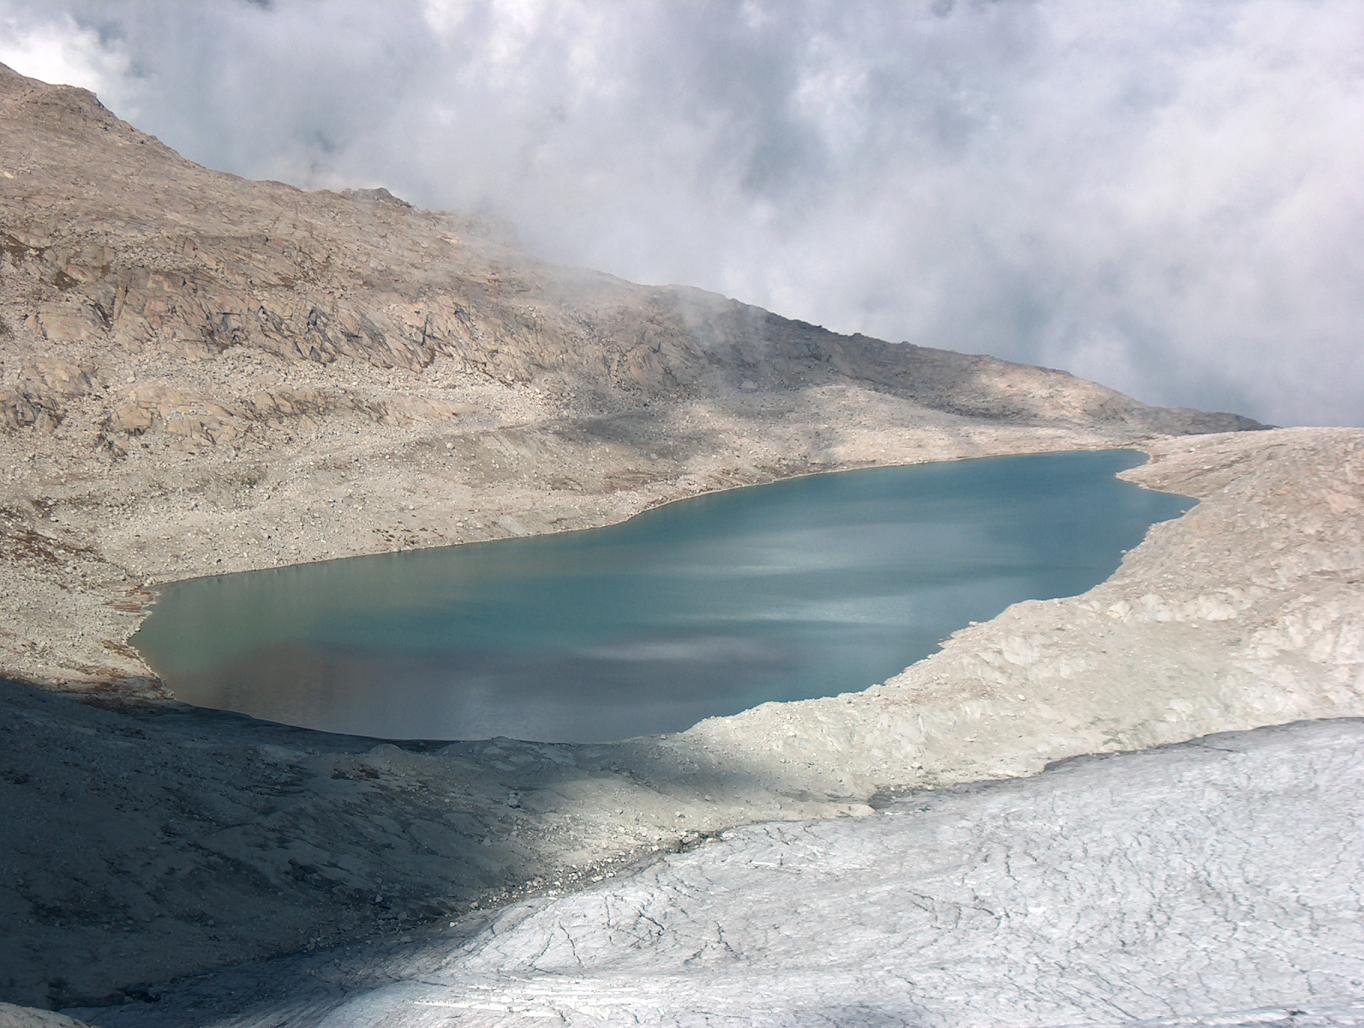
x: 803, y: 588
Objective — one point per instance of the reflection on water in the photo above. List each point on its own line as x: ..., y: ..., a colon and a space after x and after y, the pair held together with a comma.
x: 804, y: 588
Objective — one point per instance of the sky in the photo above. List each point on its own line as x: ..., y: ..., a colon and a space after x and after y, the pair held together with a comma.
x: 1164, y: 196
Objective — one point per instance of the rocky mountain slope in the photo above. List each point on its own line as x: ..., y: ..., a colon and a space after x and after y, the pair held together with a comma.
x: 123, y: 258
x: 200, y: 373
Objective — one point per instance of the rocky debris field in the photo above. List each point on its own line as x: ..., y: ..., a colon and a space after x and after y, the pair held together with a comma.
x: 14, y: 1016
x: 1179, y: 885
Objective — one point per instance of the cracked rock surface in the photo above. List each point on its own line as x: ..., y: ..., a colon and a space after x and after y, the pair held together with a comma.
x: 1213, y: 882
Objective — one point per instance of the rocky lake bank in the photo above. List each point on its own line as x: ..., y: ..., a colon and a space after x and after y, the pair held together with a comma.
x: 1244, y: 612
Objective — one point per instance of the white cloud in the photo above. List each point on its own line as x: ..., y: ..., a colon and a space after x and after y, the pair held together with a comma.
x: 1163, y: 196
x: 61, y: 50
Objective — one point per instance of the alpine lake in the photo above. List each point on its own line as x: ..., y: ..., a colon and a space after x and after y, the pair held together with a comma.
x: 803, y: 588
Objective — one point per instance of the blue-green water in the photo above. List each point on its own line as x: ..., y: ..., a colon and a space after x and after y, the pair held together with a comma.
x: 804, y: 588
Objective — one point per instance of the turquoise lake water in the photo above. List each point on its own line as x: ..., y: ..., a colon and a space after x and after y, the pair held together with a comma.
x: 803, y: 588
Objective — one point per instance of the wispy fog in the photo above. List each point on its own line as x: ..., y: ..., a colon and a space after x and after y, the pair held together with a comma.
x: 1163, y: 196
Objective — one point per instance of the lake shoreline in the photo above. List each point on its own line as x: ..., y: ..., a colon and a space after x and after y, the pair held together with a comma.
x: 272, y: 643
x: 1188, y: 637
x: 75, y: 630
x: 117, y: 598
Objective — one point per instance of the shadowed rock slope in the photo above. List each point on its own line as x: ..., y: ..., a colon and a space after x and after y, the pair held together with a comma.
x: 1135, y: 889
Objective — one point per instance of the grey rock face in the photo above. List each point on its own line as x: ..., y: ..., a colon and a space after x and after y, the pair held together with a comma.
x: 1215, y: 882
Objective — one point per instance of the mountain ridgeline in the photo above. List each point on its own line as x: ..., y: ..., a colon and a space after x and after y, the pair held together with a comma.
x: 114, y: 251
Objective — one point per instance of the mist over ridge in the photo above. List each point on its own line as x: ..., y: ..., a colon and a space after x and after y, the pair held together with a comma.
x: 1162, y: 198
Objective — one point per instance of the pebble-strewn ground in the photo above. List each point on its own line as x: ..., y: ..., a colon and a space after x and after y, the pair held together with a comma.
x: 1178, y: 885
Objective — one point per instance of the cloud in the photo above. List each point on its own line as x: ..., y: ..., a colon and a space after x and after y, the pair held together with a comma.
x: 1161, y: 196
x: 59, y: 49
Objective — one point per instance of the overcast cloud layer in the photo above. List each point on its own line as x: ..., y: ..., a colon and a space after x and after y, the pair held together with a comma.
x: 1167, y: 197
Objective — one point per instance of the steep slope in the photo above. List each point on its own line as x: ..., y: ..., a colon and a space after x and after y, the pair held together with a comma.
x: 198, y: 372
